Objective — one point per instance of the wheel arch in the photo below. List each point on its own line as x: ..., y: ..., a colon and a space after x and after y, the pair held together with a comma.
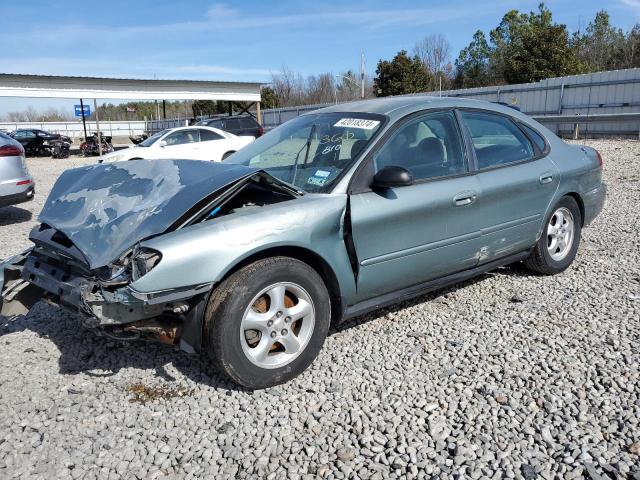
x: 576, y: 196
x: 305, y: 255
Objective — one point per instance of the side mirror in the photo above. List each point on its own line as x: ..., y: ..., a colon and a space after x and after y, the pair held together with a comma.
x: 162, y: 143
x: 392, y: 176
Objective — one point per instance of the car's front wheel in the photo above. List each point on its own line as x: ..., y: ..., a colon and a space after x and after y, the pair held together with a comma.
x: 267, y: 322
x: 558, y: 245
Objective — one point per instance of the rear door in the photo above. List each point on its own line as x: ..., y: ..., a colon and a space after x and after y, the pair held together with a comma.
x: 408, y: 235
x: 212, y: 145
x: 518, y: 180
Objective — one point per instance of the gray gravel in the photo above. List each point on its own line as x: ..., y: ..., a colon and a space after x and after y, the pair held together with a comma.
x: 507, y: 376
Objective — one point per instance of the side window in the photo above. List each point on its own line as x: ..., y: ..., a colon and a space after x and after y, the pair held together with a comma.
x: 496, y: 139
x: 217, y: 124
x: 208, y: 135
x: 232, y: 124
x: 429, y: 146
x: 181, y: 137
x: 535, y: 136
x: 247, y: 122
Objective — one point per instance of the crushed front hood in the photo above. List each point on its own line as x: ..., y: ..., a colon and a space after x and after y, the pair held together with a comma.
x: 105, y: 209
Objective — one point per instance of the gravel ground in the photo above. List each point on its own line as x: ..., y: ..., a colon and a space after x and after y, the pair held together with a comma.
x: 510, y: 375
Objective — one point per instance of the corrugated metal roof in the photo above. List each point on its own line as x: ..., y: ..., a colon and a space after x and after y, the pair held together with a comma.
x: 55, y: 86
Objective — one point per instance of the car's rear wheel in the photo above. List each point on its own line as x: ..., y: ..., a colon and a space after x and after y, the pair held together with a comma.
x: 228, y: 154
x: 267, y: 322
x: 558, y: 245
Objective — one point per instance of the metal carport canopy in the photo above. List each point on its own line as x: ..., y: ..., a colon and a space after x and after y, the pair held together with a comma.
x: 45, y: 86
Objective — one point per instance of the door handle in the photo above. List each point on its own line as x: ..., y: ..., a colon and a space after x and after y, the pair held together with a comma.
x: 546, y: 177
x: 464, y: 198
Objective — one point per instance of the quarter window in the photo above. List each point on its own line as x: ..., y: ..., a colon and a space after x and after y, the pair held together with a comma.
x: 428, y: 146
x: 535, y: 136
x: 496, y: 139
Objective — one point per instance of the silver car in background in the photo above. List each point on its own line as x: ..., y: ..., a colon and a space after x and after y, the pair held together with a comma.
x: 16, y: 184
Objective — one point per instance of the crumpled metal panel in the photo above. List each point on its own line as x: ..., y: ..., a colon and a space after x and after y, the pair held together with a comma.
x: 105, y: 209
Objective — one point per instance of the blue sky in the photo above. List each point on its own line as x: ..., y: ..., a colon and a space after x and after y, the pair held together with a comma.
x: 244, y: 40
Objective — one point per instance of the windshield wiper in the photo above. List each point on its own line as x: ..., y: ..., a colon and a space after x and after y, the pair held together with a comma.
x: 307, y: 146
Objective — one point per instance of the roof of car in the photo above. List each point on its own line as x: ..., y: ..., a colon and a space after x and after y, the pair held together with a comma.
x: 402, y: 105
x: 204, y: 127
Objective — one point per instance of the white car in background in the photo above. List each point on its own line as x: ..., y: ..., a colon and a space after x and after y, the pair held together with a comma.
x: 190, y: 143
x: 16, y: 184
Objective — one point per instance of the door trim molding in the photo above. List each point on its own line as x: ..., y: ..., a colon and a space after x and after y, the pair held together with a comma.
x: 398, y: 296
x: 420, y: 248
x: 511, y: 224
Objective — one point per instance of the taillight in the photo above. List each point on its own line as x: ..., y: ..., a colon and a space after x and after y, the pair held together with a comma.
x: 599, y: 157
x: 260, y: 131
x: 11, y: 151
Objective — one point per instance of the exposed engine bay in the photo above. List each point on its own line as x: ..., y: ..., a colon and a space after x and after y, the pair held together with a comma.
x: 65, y: 269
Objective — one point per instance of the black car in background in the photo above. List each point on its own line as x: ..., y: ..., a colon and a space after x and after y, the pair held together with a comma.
x: 240, y: 125
x: 38, y: 142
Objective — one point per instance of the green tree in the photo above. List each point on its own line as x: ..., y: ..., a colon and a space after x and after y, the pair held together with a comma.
x: 599, y: 47
x: 204, y: 108
x: 401, y: 75
x: 528, y: 47
x: 473, y: 63
x: 629, y: 54
x: 269, y: 98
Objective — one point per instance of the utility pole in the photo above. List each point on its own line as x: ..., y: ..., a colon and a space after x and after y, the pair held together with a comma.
x: 95, y: 107
x: 362, y: 74
x: 84, y: 122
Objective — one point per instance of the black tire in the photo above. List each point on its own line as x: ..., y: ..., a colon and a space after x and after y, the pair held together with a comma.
x: 225, y: 311
x: 540, y: 259
x: 228, y: 154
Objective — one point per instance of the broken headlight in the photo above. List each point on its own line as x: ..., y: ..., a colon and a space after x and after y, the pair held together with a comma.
x: 143, y: 261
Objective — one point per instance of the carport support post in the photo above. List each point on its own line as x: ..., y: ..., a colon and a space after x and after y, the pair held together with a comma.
x: 95, y: 107
x: 164, y: 109
x: 84, y: 122
x: 258, y: 113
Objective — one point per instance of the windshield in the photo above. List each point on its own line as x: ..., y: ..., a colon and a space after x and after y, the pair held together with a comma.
x: 311, y: 151
x: 152, y: 139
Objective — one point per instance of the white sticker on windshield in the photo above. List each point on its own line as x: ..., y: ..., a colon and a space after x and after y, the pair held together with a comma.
x: 358, y: 123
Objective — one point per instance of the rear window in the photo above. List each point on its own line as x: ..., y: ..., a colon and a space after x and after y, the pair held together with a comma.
x: 208, y: 135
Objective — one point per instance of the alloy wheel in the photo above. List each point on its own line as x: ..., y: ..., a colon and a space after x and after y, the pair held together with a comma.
x: 560, y: 233
x: 277, y: 325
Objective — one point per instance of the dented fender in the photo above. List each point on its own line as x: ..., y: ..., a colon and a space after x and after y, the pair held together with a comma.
x: 207, y: 251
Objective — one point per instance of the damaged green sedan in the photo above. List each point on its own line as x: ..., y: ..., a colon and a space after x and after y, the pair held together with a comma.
x: 331, y: 215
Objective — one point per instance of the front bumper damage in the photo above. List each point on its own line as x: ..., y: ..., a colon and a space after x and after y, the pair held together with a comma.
x: 117, y: 311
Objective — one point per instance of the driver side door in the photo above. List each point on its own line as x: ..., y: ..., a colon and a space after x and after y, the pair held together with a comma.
x: 408, y: 235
